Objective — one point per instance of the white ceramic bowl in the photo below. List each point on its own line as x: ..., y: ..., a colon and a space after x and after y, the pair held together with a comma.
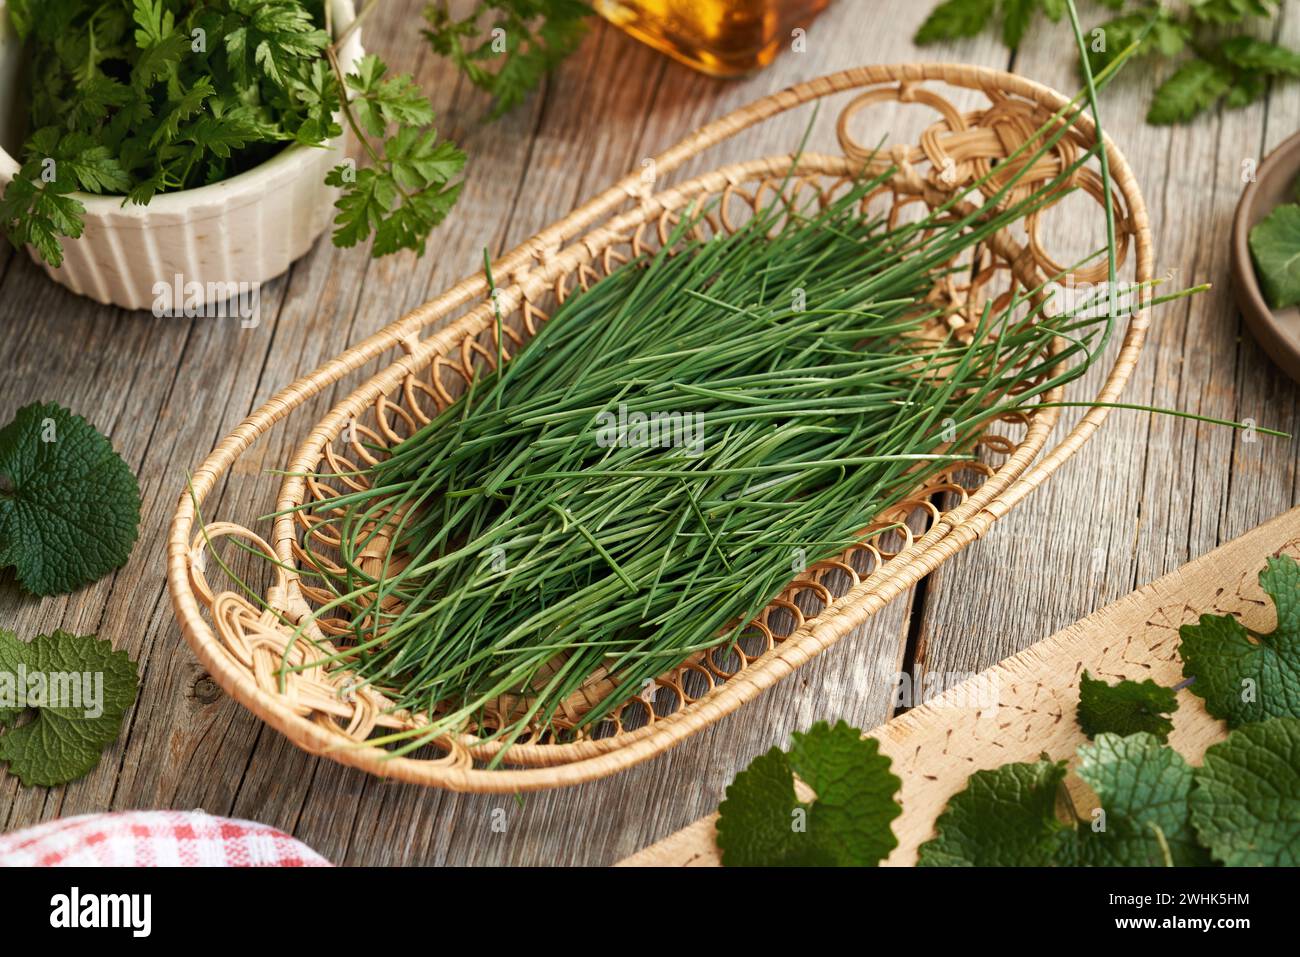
x: 241, y: 231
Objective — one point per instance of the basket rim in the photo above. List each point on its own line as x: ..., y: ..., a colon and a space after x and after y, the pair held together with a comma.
x: 953, y: 531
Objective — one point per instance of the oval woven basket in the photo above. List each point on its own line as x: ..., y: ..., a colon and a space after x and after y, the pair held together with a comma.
x: 242, y: 642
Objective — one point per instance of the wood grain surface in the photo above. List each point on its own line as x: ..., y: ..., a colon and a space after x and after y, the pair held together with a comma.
x: 1146, y: 495
x: 1025, y: 706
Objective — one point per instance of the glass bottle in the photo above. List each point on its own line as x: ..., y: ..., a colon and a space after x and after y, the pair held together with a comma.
x: 720, y: 37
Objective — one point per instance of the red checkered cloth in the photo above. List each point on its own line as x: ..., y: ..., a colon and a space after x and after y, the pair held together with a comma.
x: 154, y: 839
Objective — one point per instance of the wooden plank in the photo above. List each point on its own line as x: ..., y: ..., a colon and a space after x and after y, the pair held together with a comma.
x: 1146, y: 494
x: 167, y: 390
x: 1025, y: 706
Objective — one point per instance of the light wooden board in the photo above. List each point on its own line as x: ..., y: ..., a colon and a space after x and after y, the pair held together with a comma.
x: 1025, y: 706
x: 1143, y: 497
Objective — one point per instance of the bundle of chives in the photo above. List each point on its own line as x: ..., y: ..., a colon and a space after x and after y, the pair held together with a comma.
x: 531, y: 541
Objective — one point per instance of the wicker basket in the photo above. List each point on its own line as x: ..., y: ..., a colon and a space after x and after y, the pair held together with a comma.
x: 242, y: 642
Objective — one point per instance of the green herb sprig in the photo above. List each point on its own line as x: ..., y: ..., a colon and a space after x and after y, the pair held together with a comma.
x: 506, y: 47
x: 140, y: 97
x: 1234, y: 69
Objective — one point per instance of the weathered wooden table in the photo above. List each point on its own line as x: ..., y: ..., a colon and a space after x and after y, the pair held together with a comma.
x: 1145, y: 495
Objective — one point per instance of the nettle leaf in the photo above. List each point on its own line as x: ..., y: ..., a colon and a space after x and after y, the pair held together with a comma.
x: 954, y: 19
x: 69, y: 505
x: 1143, y: 818
x: 1005, y: 817
x: 1125, y: 708
x: 762, y: 822
x: 1246, y: 676
x: 1246, y: 803
x: 1195, y: 87
x: 87, y: 688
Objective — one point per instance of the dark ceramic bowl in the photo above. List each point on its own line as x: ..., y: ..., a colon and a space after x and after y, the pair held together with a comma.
x: 1276, y: 330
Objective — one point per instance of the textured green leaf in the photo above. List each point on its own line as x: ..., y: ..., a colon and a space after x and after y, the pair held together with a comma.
x: 1143, y: 816
x: 954, y: 19
x: 1005, y: 817
x: 152, y: 96
x: 1125, y: 708
x: 757, y: 819
x: 1242, y: 675
x: 381, y: 101
x: 1195, y: 87
x: 69, y: 506
x: 522, y: 39
x: 1016, y: 15
x: 1260, y: 57
x: 1155, y: 31
x: 762, y: 823
x: 65, y: 738
x: 1230, y: 11
x: 1246, y: 803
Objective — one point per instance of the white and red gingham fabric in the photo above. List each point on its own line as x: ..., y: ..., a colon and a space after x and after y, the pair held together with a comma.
x: 154, y: 839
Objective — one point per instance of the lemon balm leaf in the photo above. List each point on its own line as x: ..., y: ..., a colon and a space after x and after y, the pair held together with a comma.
x: 757, y: 820
x: 1005, y: 817
x: 1245, y: 676
x: 1125, y: 708
x: 77, y: 689
x: 69, y: 505
x: 763, y: 823
x: 1143, y: 818
x: 1246, y: 803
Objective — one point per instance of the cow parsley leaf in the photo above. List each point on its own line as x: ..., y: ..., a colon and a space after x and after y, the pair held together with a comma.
x: 763, y: 823
x: 506, y: 47
x: 1195, y: 86
x: 139, y: 97
x: 1246, y: 803
x: 1245, y: 676
x: 69, y: 505
x: 1125, y: 708
x: 85, y: 688
x: 954, y: 19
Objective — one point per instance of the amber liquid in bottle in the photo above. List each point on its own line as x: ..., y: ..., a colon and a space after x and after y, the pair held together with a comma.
x: 719, y: 37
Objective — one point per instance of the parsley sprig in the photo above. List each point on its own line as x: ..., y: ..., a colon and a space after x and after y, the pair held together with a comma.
x: 506, y: 47
x: 1235, y: 70
x: 139, y: 97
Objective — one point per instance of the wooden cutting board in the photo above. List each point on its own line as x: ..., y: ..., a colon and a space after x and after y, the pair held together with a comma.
x: 1025, y: 706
